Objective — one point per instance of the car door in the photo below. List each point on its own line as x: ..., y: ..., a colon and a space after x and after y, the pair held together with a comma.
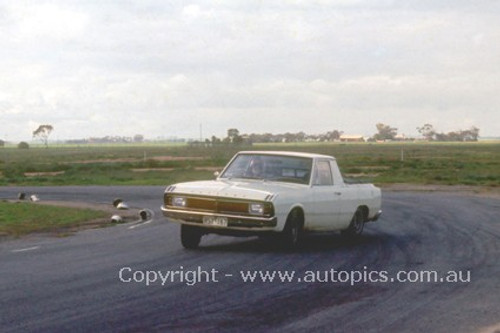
x: 325, y: 207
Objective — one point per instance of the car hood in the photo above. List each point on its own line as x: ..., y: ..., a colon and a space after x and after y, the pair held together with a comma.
x: 250, y: 190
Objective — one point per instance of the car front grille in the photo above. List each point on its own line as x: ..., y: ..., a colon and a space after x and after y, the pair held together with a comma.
x: 216, y: 205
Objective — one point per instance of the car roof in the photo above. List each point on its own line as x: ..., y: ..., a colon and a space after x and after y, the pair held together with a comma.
x: 286, y: 153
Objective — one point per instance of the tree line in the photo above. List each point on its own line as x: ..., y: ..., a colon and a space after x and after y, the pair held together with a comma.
x: 138, y: 138
x: 234, y: 136
x: 384, y: 133
x: 430, y: 134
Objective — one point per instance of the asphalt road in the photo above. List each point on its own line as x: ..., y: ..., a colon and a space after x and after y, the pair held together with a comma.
x: 95, y: 280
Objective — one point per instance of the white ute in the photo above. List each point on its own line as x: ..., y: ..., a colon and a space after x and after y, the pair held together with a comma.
x: 283, y: 193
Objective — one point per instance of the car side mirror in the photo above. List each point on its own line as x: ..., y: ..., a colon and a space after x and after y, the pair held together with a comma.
x: 216, y: 174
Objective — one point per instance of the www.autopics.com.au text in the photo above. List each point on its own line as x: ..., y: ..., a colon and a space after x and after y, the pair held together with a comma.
x: 198, y: 275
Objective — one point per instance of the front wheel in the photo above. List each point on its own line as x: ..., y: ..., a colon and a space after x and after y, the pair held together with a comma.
x: 357, y: 224
x: 293, y: 229
x: 190, y: 236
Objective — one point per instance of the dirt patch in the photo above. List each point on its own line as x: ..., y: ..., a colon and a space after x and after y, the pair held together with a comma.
x: 172, y: 169
x: 42, y: 174
x: 209, y: 168
x: 106, y: 160
x: 176, y: 158
x: 152, y: 169
x: 361, y: 175
x: 373, y: 167
x: 132, y: 160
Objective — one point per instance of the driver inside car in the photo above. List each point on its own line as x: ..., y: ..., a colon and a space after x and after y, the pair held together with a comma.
x: 256, y: 169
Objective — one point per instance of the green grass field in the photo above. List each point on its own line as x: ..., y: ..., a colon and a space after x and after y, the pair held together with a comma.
x: 155, y: 164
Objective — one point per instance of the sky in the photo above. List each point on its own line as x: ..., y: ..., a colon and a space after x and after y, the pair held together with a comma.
x: 184, y: 69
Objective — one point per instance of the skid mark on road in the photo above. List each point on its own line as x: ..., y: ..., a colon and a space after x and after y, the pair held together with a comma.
x: 33, y: 248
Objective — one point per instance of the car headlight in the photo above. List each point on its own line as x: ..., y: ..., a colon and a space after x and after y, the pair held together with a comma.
x: 179, y: 201
x: 256, y: 208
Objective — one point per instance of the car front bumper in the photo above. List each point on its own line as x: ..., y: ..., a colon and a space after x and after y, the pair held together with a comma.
x: 235, y: 222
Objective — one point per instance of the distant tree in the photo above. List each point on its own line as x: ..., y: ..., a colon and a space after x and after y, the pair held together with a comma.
x: 290, y: 137
x: 23, y: 145
x: 472, y: 134
x: 232, y: 132
x: 267, y: 137
x: 385, y: 132
x: 238, y: 139
x: 427, y: 131
x: 334, y: 135
x: 2, y: 143
x: 42, y: 133
x: 215, y: 140
x: 138, y: 138
x: 233, y: 136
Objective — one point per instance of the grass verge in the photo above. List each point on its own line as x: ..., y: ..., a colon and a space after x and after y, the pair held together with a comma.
x: 21, y: 218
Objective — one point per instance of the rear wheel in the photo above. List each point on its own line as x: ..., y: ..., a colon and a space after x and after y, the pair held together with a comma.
x: 190, y: 236
x: 357, y: 224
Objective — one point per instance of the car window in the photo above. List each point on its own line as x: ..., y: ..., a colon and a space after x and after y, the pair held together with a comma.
x: 270, y: 167
x: 323, y: 174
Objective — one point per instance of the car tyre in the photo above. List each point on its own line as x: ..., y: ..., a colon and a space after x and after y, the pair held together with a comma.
x: 292, y: 233
x: 356, y: 226
x: 190, y: 236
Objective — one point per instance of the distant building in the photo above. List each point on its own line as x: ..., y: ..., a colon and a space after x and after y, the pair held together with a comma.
x: 402, y: 137
x: 351, y: 138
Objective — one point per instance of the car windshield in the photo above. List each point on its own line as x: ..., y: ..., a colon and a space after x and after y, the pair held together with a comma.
x: 270, y: 167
